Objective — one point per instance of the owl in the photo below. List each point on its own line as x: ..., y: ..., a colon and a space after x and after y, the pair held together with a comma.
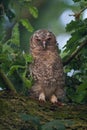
x: 46, y: 68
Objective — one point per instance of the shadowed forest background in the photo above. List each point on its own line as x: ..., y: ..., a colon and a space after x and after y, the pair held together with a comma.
x: 67, y: 19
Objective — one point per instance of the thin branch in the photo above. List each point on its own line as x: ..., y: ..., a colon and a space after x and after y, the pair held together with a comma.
x: 7, y: 82
x: 75, y: 53
x: 77, y: 15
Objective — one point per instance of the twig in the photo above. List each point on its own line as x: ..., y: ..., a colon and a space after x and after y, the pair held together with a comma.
x: 75, y: 53
x: 77, y: 15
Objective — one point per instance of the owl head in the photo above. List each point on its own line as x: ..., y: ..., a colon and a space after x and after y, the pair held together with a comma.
x: 43, y: 39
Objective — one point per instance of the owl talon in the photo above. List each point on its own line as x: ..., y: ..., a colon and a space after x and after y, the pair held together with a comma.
x: 53, y: 99
x: 42, y: 97
x: 60, y: 103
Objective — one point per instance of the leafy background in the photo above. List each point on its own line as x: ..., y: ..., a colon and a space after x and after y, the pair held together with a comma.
x: 19, y: 19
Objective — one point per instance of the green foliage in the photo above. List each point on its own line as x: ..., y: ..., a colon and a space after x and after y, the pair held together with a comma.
x: 79, y: 0
x: 12, y: 59
x: 52, y: 125
x: 31, y: 119
x: 81, y: 93
x: 76, y: 89
x: 76, y: 0
x: 78, y: 34
x: 28, y: 58
x: 27, y: 25
x: 33, y: 10
x: 57, y: 125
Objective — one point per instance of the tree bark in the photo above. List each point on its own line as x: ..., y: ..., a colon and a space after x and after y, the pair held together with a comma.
x: 23, y: 113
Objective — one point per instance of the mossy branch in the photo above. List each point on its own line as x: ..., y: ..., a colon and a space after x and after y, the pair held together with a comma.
x: 7, y: 82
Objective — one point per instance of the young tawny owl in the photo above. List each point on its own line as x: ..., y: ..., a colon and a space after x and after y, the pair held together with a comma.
x: 47, y: 68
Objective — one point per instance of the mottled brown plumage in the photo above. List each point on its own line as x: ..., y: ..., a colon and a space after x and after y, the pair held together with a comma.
x: 47, y: 68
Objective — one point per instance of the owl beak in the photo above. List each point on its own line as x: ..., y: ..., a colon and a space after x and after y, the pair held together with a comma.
x: 44, y: 44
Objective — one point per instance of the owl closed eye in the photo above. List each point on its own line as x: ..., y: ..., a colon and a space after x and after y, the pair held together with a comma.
x: 43, y: 39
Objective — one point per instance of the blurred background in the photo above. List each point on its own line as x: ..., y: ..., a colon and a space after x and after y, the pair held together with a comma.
x: 53, y: 15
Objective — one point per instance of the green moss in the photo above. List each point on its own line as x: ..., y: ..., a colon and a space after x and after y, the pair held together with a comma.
x: 4, y: 107
x: 23, y: 113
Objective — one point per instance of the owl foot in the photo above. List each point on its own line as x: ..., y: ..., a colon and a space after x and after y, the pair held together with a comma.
x: 42, y: 97
x: 53, y: 99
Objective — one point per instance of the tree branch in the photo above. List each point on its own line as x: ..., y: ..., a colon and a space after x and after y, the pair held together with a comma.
x: 7, y: 82
x: 77, y: 15
x: 69, y: 59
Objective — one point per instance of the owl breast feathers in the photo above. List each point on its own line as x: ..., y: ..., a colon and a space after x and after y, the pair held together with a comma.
x: 47, y: 68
